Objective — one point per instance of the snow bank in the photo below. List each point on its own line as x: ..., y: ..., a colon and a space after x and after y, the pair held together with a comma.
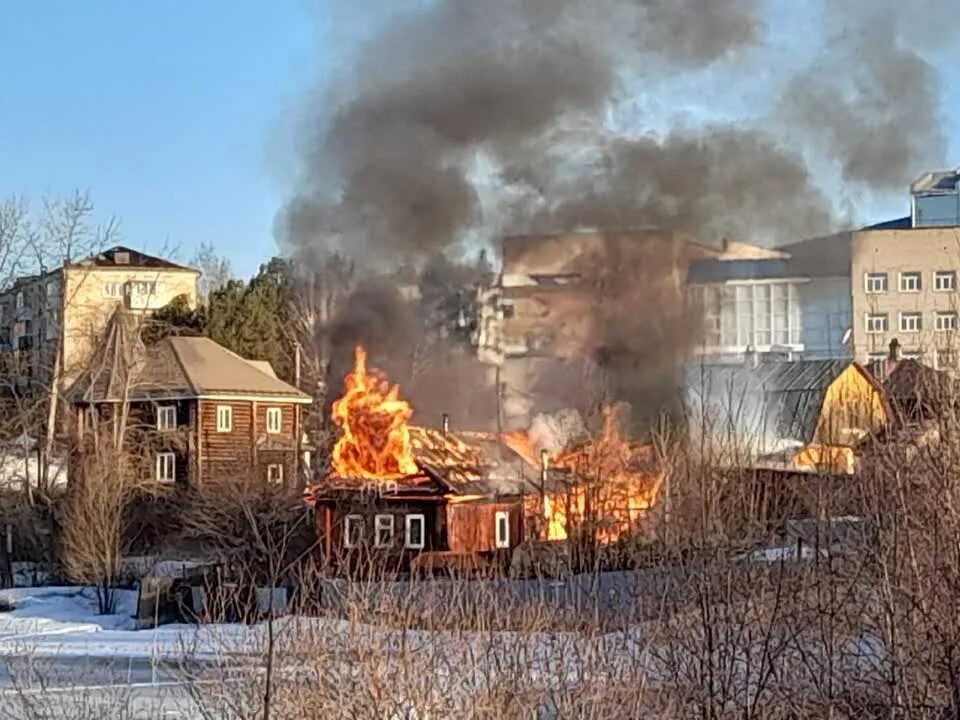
x: 16, y: 470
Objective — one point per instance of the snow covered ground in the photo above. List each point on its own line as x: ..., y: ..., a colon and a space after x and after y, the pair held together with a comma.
x: 18, y: 468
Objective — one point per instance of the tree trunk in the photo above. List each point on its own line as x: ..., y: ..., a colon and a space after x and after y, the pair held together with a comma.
x: 43, y: 470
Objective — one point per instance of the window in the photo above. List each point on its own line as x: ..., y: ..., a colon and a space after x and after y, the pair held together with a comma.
x: 275, y: 473
x: 877, y: 323
x: 502, y: 529
x: 946, y: 321
x: 383, y: 524
x: 20, y: 300
x: 415, y: 527
x: 274, y: 418
x: 144, y: 287
x: 51, y: 288
x: 113, y: 289
x: 910, y: 282
x: 944, y: 281
x: 761, y: 314
x: 352, y: 531
x: 52, y: 324
x: 911, y: 322
x: 507, y: 311
x: 166, y: 467
x: 875, y: 282
x: 946, y: 359
x: 167, y: 417
x: 224, y: 418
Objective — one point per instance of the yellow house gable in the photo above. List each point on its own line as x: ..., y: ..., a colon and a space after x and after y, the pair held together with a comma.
x: 853, y: 407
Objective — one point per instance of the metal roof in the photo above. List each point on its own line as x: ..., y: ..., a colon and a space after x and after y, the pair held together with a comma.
x: 790, y: 393
x: 125, y: 368
x: 124, y: 257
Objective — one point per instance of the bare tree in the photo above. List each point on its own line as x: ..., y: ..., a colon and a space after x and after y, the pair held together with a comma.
x: 215, y: 270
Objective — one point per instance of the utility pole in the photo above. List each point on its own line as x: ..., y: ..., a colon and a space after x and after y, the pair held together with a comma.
x: 297, y: 352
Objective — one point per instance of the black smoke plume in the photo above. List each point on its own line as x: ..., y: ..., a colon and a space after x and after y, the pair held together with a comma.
x: 462, y: 120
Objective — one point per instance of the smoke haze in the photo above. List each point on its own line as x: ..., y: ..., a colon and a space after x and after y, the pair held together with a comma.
x: 461, y: 120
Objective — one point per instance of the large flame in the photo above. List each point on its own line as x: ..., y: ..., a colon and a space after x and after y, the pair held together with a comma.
x: 375, y: 439
x: 612, y: 485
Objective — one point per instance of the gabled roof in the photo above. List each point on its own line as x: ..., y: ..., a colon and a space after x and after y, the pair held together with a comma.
x: 772, y: 401
x: 920, y: 387
x: 121, y: 256
x: 175, y: 367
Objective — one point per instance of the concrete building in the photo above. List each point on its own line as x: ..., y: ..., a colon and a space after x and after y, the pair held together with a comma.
x: 750, y: 300
x: 904, y: 286
x: 73, y: 304
x: 894, y: 280
x: 547, y: 310
x: 825, y: 296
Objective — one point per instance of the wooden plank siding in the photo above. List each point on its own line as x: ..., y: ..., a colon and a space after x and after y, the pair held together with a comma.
x: 471, y: 526
x: 202, y: 452
x: 225, y: 454
x: 248, y: 449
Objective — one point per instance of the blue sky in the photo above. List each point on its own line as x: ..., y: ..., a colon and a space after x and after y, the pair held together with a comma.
x: 172, y: 114
x: 180, y: 118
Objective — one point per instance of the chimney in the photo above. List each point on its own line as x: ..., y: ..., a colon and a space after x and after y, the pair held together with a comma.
x: 445, y: 423
x: 894, y: 350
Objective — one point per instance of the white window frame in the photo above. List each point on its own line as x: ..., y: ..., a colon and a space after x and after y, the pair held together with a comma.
x: 501, y: 542
x: 946, y: 351
x: 224, y: 418
x: 166, y: 423
x: 51, y: 288
x: 868, y: 284
x: 917, y: 316
x: 383, y: 522
x: 274, y: 420
x: 910, y: 275
x: 166, y: 461
x: 408, y: 521
x: 19, y: 300
x: 869, y: 317
x: 939, y: 275
x: 347, y: 522
x: 275, y: 473
x: 945, y: 315
x: 113, y: 289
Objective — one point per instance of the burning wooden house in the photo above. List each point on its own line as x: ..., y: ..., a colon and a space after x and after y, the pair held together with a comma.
x: 410, y: 495
x: 602, y: 485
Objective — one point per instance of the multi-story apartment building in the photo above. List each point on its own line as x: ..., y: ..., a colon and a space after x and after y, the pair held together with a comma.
x: 69, y: 307
x: 895, y: 280
x: 547, y: 307
x: 904, y: 285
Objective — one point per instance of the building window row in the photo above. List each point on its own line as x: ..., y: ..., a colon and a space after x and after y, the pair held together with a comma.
x: 414, y: 531
x: 909, y: 282
x: 225, y: 419
x: 117, y: 288
x: 756, y: 314
x: 910, y: 322
x: 166, y: 469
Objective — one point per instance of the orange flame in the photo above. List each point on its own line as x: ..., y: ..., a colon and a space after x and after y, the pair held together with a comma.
x: 612, y: 483
x: 375, y: 440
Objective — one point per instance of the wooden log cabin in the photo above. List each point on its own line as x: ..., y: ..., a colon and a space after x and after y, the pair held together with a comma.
x: 192, y: 411
x: 457, y: 512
